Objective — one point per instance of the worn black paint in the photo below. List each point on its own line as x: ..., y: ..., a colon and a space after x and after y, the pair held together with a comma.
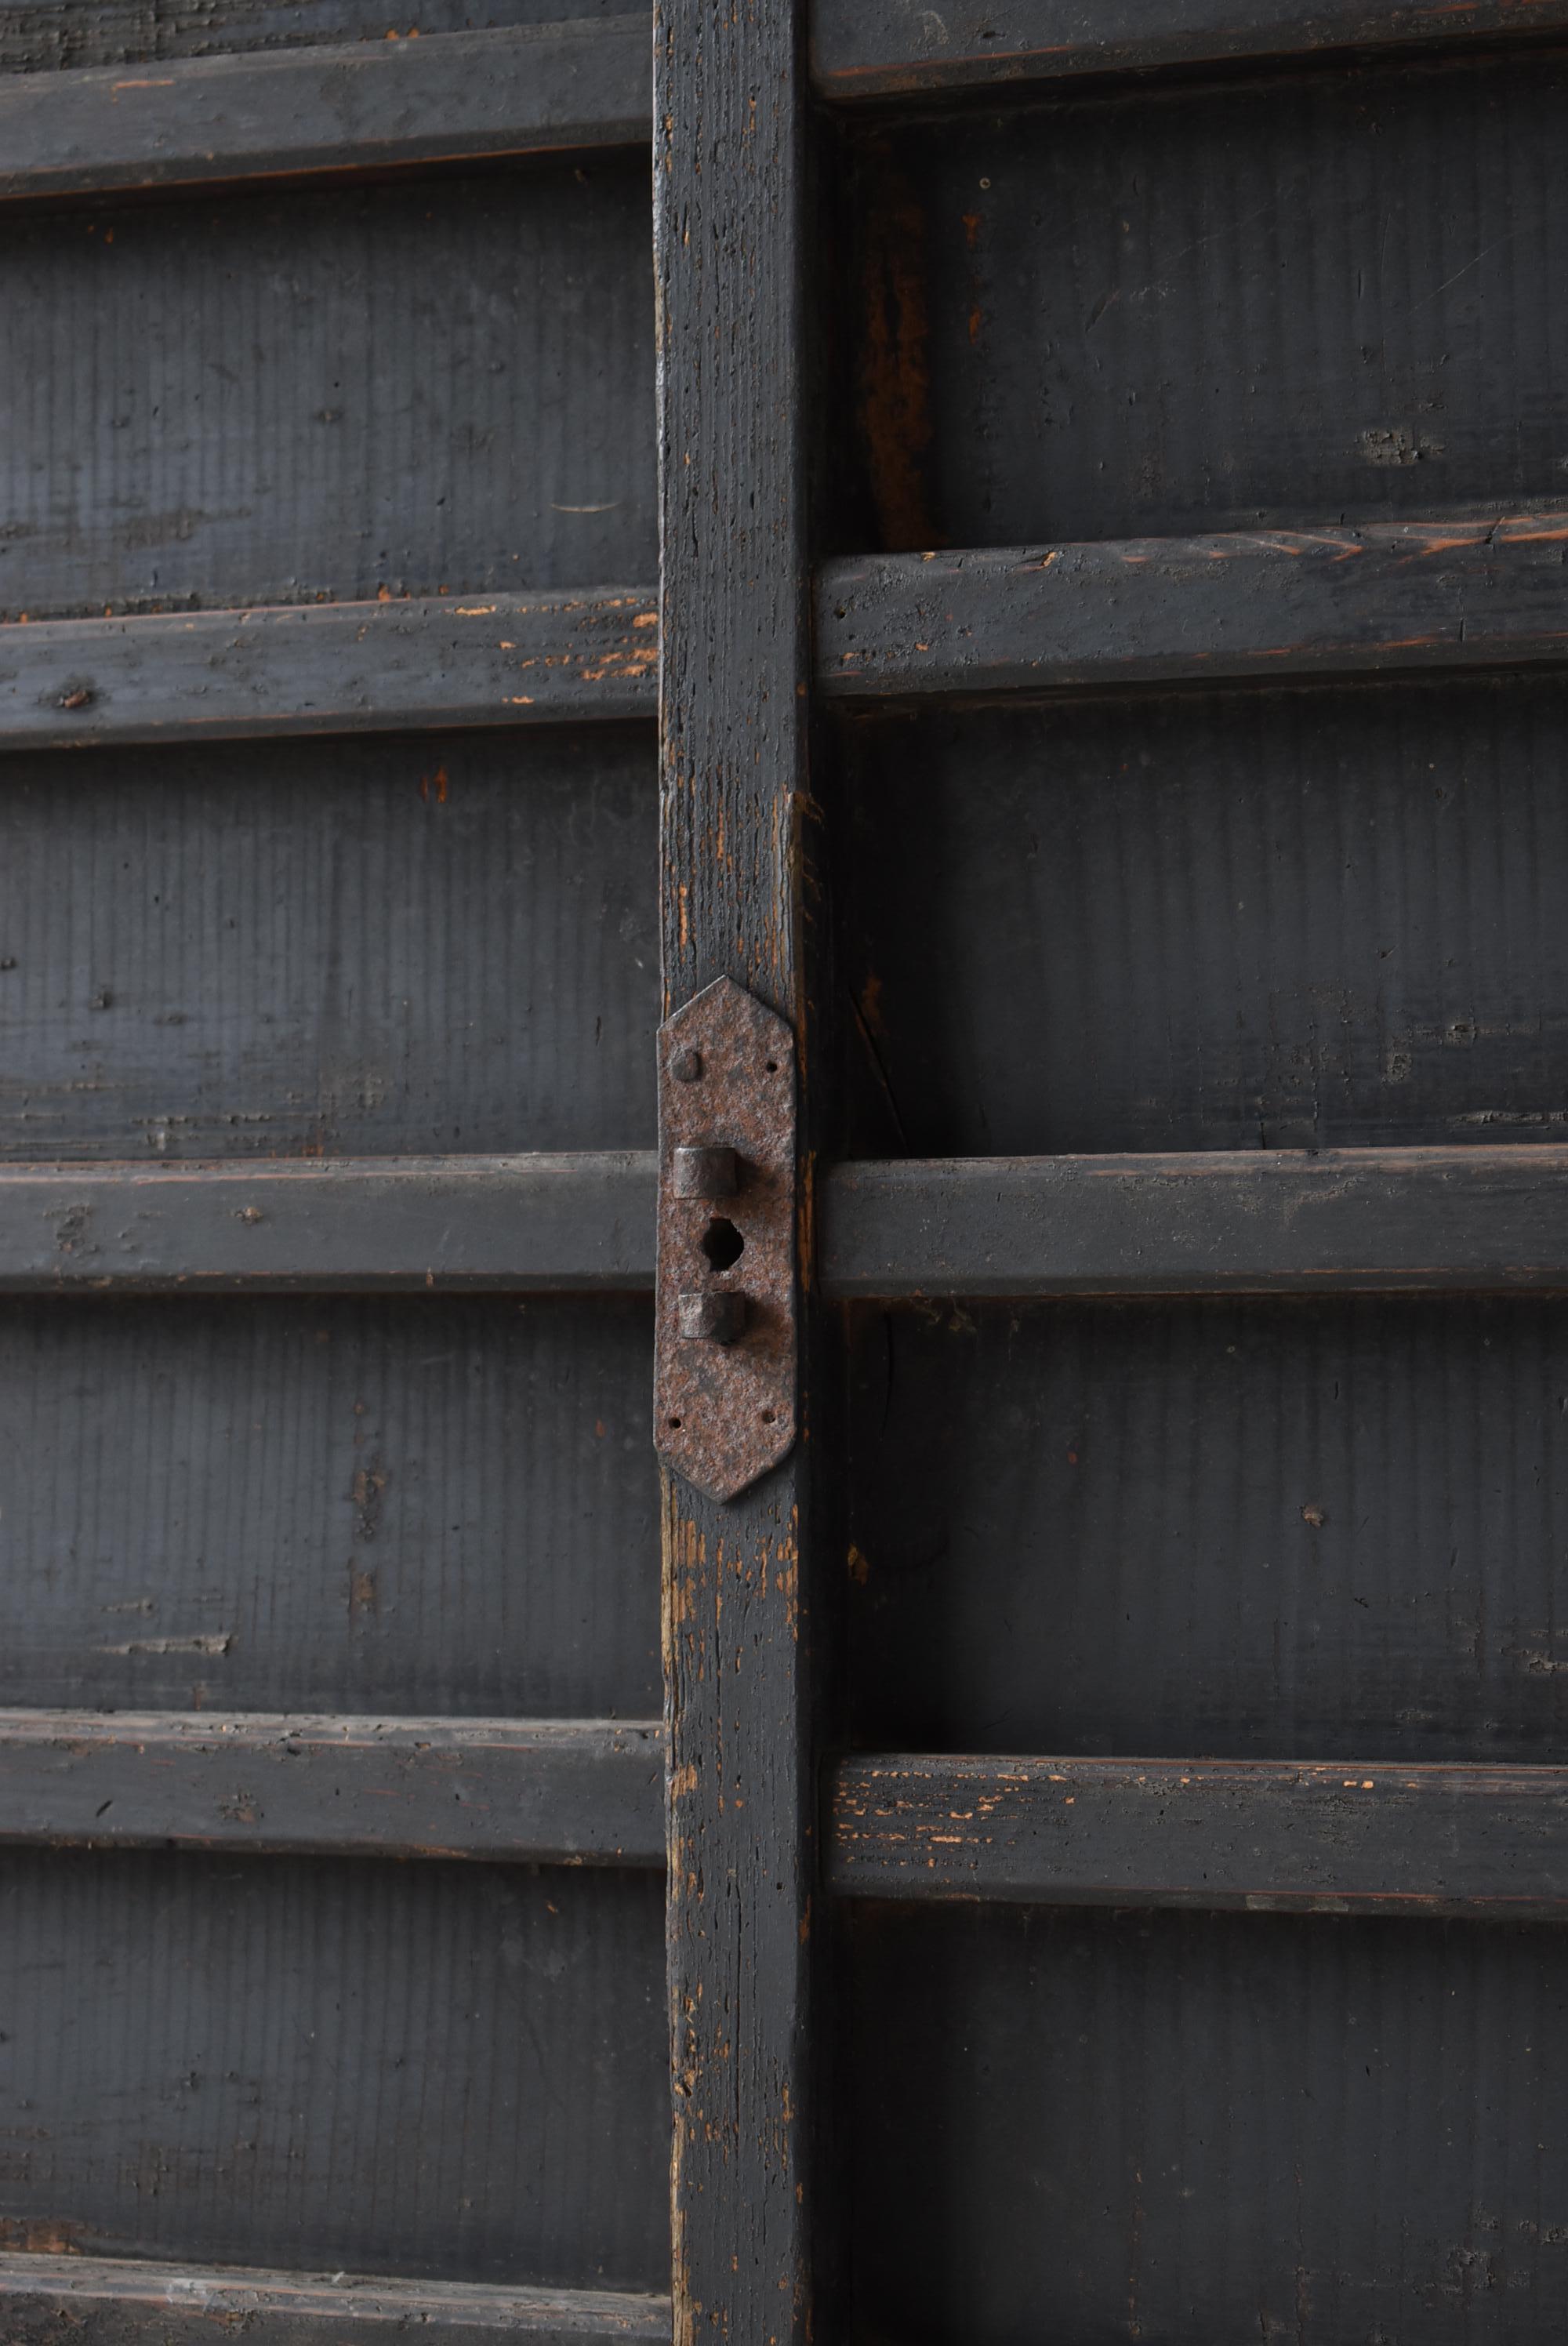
x: 1284, y: 1529
x: 270, y: 397
x: 1191, y: 2128
x: 1278, y: 302
x: 1248, y: 1221
x: 1249, y: 1835
x: 551, y: 1792
x: 740, y: 1578
x: 1254, y: 605
x: 1304, y: 920
x: 362, y: 106
x: 454, y: 2071
x: 879, y: 49
x: 125, y: 2301
x: 48, y: 35
x: 575, y: 1222
x: 418, y: 944
x: 428, y: 1506
x: 424, y: 663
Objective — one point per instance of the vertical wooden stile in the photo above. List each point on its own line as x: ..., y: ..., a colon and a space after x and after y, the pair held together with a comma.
x: 730, y: 104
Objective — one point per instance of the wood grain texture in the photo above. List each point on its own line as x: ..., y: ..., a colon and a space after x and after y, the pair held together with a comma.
x: 1198, y: 1833
x: 1319, y: 918
x: 1265, y: 604
x: 457, y: 96
x: 438, y: 2071
x: 731, y: 252
x: 1261, y: 1529
x: 301, y: 395
x: 1268, y: 302
x: 1200, y: 2126
x: 401, y: 1507
x: 540, y: 1225
x: 1253, y: 1221
x: 54, y: 35
x: 882, y: 48
x: 417, y: 944
x: 127, y: 2301
x: 331, y: 667
x: 541, y: 1792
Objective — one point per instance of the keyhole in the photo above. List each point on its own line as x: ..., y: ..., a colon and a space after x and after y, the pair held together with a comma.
x: 722, y: 1244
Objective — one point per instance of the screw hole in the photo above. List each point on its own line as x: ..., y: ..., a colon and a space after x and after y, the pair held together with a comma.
x: 722, y: 1244
x: 767, y: 1417
x: 676, y: 1422
x: 773, y: 1066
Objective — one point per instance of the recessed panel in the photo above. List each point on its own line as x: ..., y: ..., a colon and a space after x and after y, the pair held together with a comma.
x: 437, y: 1505
x: 1290, y: 1530
x: 416, y: 387
x: 453, y: 2071
x: 1207, y: 2128
x: 1317, y: 296
x: 1316, y: 919
x: 330, y: 948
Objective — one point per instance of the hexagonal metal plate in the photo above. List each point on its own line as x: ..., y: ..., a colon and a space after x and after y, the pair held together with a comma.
x: 724, y: 1412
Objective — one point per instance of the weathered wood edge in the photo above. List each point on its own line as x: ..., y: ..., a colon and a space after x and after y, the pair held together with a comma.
x: 573, y: 85
x: 562, y: 1791
x: 901, y: 49
x: 1269, y: 606
x: 541, y: 1224
x: 1285, y: 1222
x: 731, y: 257
x: 1199, y: 1833
x: 562, y: 657
x: 45, y: 2300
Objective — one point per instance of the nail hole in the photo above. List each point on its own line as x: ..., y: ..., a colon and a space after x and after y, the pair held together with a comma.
x: 773, y: 1066
x: 767, y: 1417
x: 722, y: 1244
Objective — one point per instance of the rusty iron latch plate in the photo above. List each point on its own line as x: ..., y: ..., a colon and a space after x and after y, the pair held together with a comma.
x: 725, y: 1340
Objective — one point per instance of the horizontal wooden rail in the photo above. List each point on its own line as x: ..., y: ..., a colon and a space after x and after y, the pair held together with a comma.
x: 331, y: 667
x: 891, y: 48
x: 566, y: 1791
x: 1211, y: 1833
x: 114, y: 2303
x: 541, y: 1223
x: 1248, y: 1221
x: 363, y: 105
x: 1269, y: 604
x: 1236, y: 1221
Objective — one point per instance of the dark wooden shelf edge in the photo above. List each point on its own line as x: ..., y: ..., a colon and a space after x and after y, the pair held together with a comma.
x: 566, y: 1792
x: 574, y: 85
x: 557, y: 658
x: 105, y: 2301
x: 1238, y: 1221
x: 542, y: 1224
x: 898, y: 48
x: 1261, y: 606
x: 1200, y: 1834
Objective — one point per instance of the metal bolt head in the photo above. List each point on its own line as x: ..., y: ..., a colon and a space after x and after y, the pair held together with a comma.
x: 715, y: 1317
x: 686, y: 1066
x: 705, y: 1172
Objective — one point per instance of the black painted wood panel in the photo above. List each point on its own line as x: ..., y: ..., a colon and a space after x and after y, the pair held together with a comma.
x: 1290, y: 1530
x: 41, y: 34
x: 453, y: 2071
x: 1194, y: 2128
x: 438, y: 1505
x: 264, y: 397
x: 1296, y: 920
x: 1320, y: 298
x: 330, y: 947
